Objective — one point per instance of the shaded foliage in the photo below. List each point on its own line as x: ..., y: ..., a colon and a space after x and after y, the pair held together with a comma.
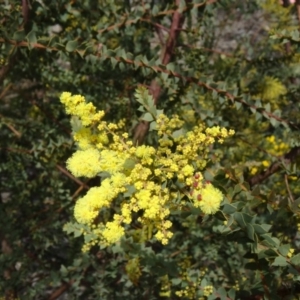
x: 104, y: 50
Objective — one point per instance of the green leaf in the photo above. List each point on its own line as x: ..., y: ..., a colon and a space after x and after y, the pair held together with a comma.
x: 261, y: 229
x: 293, y: 271
x: 274, y: 122
x: 71, y: 46
x: 256, y: 191
x: 242, y: 219
x: 238, y: 105
x: 295, y: 206
x: 182, y: 5
x: 258, y: 116
x: 295, y: 260
x: 177, y: 133
x: 113, y: 62
x: 237, y: 189
x: 64, y: 271
x: 31, y: 37
x: 228, y: 209
x: 147, y: 117
x: 130, y: 190
x: 176, y: 281
x: 272, y: 241
x: 231, y: 293
x: 152, y: 126
x: 203, y: 283
x: 284, y: 249
x: 250, y: 232
x: 19, y: 35
x: 269, y: 253
x: 222, y: 292
x: 77, y: 232
x: 89, y: 237
x: 295, y: 35
x: 221, y: 100
x: 280, y: 261
x: 122, y: 66
x: 268, y: 107
x: 171, y: 67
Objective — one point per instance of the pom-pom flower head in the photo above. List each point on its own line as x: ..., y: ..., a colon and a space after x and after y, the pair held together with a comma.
x: 208, y: 199
x: 85, y: 163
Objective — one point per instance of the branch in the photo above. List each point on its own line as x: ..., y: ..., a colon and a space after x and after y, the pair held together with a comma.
x: 297, y: 3
x: 288, y: 158
x: 68, y: 174
x: 176, y: 25
x: 162, y: 69
x: 142, y: 128
x: 62, y: 289
x: 3, y: 71
x: 160, y: 14
x: 288, y: 188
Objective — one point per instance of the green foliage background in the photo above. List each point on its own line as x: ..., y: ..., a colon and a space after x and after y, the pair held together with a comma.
x: 104, y: 50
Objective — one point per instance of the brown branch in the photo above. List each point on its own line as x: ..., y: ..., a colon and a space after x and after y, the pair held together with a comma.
x: 11, y: 59
x: 297, y: 3
x: 141, y: 130
x: 176, y: 25
x: 64, y: 171
x: 153, y: 89
x: 25, y: 10
x: 3, y: 71
x: 58, y: 292
x: 17, y: 133
x: 5, y: 90
x: 288, y: 188
x: 160, y: 36
x: 288, y: 158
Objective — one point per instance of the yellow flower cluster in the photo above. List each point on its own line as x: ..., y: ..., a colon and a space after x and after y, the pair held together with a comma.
x: 205, y: 195
x: 275, y: 147
x: 208, y: 290
x: 290, y: 253
x: 271, y: 89
x: 139, y: 179
x: 133, y: 270
x: 76, y: 106
x: 89, y: 168
x: 192, y: 286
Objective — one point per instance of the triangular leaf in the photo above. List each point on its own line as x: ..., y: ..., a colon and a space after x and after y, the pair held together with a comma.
x: 71, y: 46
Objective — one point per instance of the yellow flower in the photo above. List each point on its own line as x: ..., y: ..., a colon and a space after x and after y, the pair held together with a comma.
x: 111, y: 161
x: 85, y: 163
x: 265, y: 163
x: 105, y: 147
x: 253, y: 171
x: 113, y: 232
x: 208, y: 199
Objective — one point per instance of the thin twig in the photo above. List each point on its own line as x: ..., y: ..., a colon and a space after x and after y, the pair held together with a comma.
x: 64, y: 171
x: 5, y: 90
x: 297, y: 3
x: 288, y: 188
x: 15, y: 131
x: 288, y: 158
x: 173, y: 74
x: 142, y: 128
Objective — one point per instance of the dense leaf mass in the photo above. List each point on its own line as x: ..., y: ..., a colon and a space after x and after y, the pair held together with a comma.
x: 159, y: 137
